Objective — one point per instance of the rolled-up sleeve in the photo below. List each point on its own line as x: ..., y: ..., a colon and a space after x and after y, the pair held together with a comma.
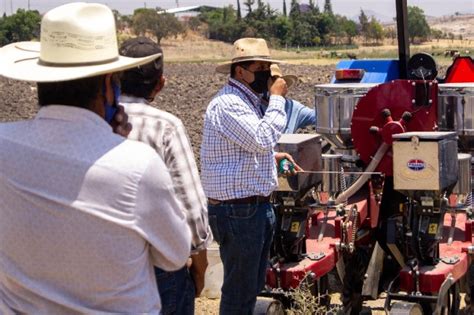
x: 160, y: 218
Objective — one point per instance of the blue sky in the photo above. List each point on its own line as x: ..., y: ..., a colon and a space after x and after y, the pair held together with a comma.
x: 345, y: 7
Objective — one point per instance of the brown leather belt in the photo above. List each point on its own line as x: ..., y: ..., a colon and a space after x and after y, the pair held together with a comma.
x: 250, y: 199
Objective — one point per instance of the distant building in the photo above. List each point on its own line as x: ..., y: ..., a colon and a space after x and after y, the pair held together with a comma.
x: 304, y: 8
x: 185, y: 13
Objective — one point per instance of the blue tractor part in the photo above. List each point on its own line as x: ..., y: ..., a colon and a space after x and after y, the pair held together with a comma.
x: 376, y: 71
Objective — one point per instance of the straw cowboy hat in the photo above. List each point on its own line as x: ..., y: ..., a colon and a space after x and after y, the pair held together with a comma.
x: 78, y: 40
x: 290, y: 79
x: 247, y: 49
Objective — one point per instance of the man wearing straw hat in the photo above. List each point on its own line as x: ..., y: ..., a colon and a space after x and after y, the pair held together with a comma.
x: 84, y: 218
x: 238, y: 170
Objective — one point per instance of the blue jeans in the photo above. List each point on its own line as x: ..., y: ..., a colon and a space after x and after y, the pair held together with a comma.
x: 244, y: 233
x: 177, y: 291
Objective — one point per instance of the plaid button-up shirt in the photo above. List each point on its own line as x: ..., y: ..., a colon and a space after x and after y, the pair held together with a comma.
x: 237, y: 157
x: 166, y: 134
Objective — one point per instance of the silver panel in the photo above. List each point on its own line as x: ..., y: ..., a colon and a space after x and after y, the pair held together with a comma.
x: 306, y: 151
x: 463, y: 186
x: 332, y: 179
x: 334, y: 105
x: 425, y: 161
x: 456, y: 111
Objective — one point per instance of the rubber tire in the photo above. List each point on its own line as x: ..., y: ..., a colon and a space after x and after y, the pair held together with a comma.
x: 355, y: 269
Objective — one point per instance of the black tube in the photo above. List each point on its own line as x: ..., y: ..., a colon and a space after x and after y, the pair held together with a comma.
x: 403, y: 38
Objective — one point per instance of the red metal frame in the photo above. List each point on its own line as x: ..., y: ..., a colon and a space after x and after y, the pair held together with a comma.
x: 431, y: 277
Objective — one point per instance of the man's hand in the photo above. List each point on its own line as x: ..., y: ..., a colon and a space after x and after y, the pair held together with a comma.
x: 198, y: 269
x: 120, y: 122
x: 283, y: 155
x: 279, y: 87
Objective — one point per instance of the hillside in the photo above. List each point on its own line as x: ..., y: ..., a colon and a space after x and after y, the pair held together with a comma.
x: 456, y: 24
x: 462, y: 24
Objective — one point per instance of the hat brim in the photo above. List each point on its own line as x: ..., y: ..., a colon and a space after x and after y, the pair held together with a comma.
x: 290, y: 80
x: 225, y: 67
x: 20, y: 61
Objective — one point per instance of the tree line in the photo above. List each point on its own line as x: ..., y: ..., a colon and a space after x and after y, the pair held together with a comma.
x: 304, y: 25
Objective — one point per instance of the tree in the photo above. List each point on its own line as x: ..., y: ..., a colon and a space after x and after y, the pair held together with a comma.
x: 294, y: 9
x: 161, y: 25
x: 24, y: 25
x: 417, y: 25
x: 249, y: 4
x: 239, y: 13
x: 364, y: 24
x: 327, y: 7
x: 284, y: 8
x: 348, y: 27
x: 375, y: 30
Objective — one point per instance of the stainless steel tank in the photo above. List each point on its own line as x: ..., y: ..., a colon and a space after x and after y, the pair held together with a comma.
x: 334, y: 105
x: 463, y: 186
x: 306, y: 151
x: 456, y: 112
x: 331, y: 173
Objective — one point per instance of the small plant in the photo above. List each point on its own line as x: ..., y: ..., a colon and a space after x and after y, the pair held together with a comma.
x: 305, y: 302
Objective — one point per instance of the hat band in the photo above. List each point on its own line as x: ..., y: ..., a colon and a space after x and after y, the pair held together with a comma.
x: 79, y: 64
x: 238, y: 59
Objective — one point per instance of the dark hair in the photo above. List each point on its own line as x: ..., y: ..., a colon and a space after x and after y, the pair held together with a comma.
x: 78, y: 93
x: 243, y: 64
x: 142, y: 80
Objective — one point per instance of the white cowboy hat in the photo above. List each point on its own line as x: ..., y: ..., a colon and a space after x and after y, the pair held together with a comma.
x: 78, y: 40
x: 247, y: 49
x: 290, y: 79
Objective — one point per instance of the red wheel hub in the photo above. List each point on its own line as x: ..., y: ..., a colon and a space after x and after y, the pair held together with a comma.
x: 387, y: 109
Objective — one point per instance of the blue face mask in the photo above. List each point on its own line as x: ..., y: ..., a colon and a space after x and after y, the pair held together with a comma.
x: 111, y: 109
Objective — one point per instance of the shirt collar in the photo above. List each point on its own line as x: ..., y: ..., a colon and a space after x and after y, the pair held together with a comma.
x: 125, y: 98
x: 255, y: 99
x: 72, y: 114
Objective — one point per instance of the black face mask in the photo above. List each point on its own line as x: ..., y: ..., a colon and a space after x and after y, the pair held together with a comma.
x: 260, y: 83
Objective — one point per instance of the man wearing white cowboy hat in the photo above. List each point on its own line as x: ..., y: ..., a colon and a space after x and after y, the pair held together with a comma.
x: 238, y: 170
x: 297, y: 115
x: 84, y: 216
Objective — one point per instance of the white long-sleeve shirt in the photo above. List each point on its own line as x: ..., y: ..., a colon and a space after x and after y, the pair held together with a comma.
x: 83, y: 217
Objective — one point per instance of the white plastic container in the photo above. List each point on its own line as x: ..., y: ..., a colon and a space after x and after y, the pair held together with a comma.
x: 214, y: 273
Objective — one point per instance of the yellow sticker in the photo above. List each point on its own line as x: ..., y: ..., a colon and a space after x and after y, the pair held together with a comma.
x: 295, y: 227
x: 433, y: 228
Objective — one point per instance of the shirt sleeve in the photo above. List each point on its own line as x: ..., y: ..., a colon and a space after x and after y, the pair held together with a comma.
x: 305, y: 116
x: 161, y: 219
x: 179, y: 158
x: 240, y: 124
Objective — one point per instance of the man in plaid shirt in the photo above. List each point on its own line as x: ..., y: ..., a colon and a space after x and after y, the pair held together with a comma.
x: 238, y: 171
x: 166, y: 134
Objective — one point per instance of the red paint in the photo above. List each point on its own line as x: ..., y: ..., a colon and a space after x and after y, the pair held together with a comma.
x: 396, y: 96
x: 461, y: 71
